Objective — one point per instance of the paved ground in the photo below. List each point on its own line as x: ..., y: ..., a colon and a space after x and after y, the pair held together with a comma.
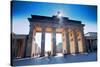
x: 56, y: 59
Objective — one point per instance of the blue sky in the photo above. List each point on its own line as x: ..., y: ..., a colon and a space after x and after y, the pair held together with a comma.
x: 22, y: 10
x: 80, y: 12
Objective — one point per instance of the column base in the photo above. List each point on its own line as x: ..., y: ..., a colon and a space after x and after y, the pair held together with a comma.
x: 27, y: 56
x: 42, y: 55
x: 77, y: 52
x: 82, y: 52
x: 53, y: 54
x: 68, y: 53
x: 64, y: 54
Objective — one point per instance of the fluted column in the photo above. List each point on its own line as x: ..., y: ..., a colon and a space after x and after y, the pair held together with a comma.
x: 71, y: 40
x: 43, y: 42
x: 64, y: 46
x: 53, y: 51
x: 67, y: 41
x: 30, y: 43
x: 33, y: 45
x: 23, y: 49
x: 83, y: 40
x: 15, y: 49
x: 87, y: 45
x: 75, y: 41
x: 91, y: 45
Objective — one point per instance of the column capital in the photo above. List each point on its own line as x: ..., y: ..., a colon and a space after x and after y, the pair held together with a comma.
x: 53, y: 29
x: 65, y: 29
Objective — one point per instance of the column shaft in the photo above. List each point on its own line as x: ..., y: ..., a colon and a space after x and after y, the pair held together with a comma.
x: 83, y: 40
x: 33, y: 45
x: 54, y: 42
x: 15, y: 50
x: 23, y: 52
x: 87, y: 45
x: 75, y: 42
x: 64, y: 50
x: 43, y: 43
x: 91, y: 44
x: 29, y: 52
x: 67, y: 42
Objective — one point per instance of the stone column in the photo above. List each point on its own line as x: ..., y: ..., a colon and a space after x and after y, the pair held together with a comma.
x: 87, y: 45
x: 75, y: 41
x: 43, y: 42
x: 91, y: 44
x: 33, y: 47
x: 83, y: 40
x: 15, y: 47
x: 23, y: 51
x: 29, y: 52
x: 25, y: 47
x: 64, y: 50
x: 67, y: 42
x: 53, y: 52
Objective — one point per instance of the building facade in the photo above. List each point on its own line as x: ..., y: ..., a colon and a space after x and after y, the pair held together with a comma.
x: 73, y: 39
x: 91, y: 41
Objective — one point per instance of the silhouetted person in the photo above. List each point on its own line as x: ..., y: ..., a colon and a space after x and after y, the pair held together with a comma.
x: 49, y: 53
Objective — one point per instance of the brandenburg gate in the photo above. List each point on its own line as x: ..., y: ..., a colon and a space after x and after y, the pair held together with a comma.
x: 72, y: 34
